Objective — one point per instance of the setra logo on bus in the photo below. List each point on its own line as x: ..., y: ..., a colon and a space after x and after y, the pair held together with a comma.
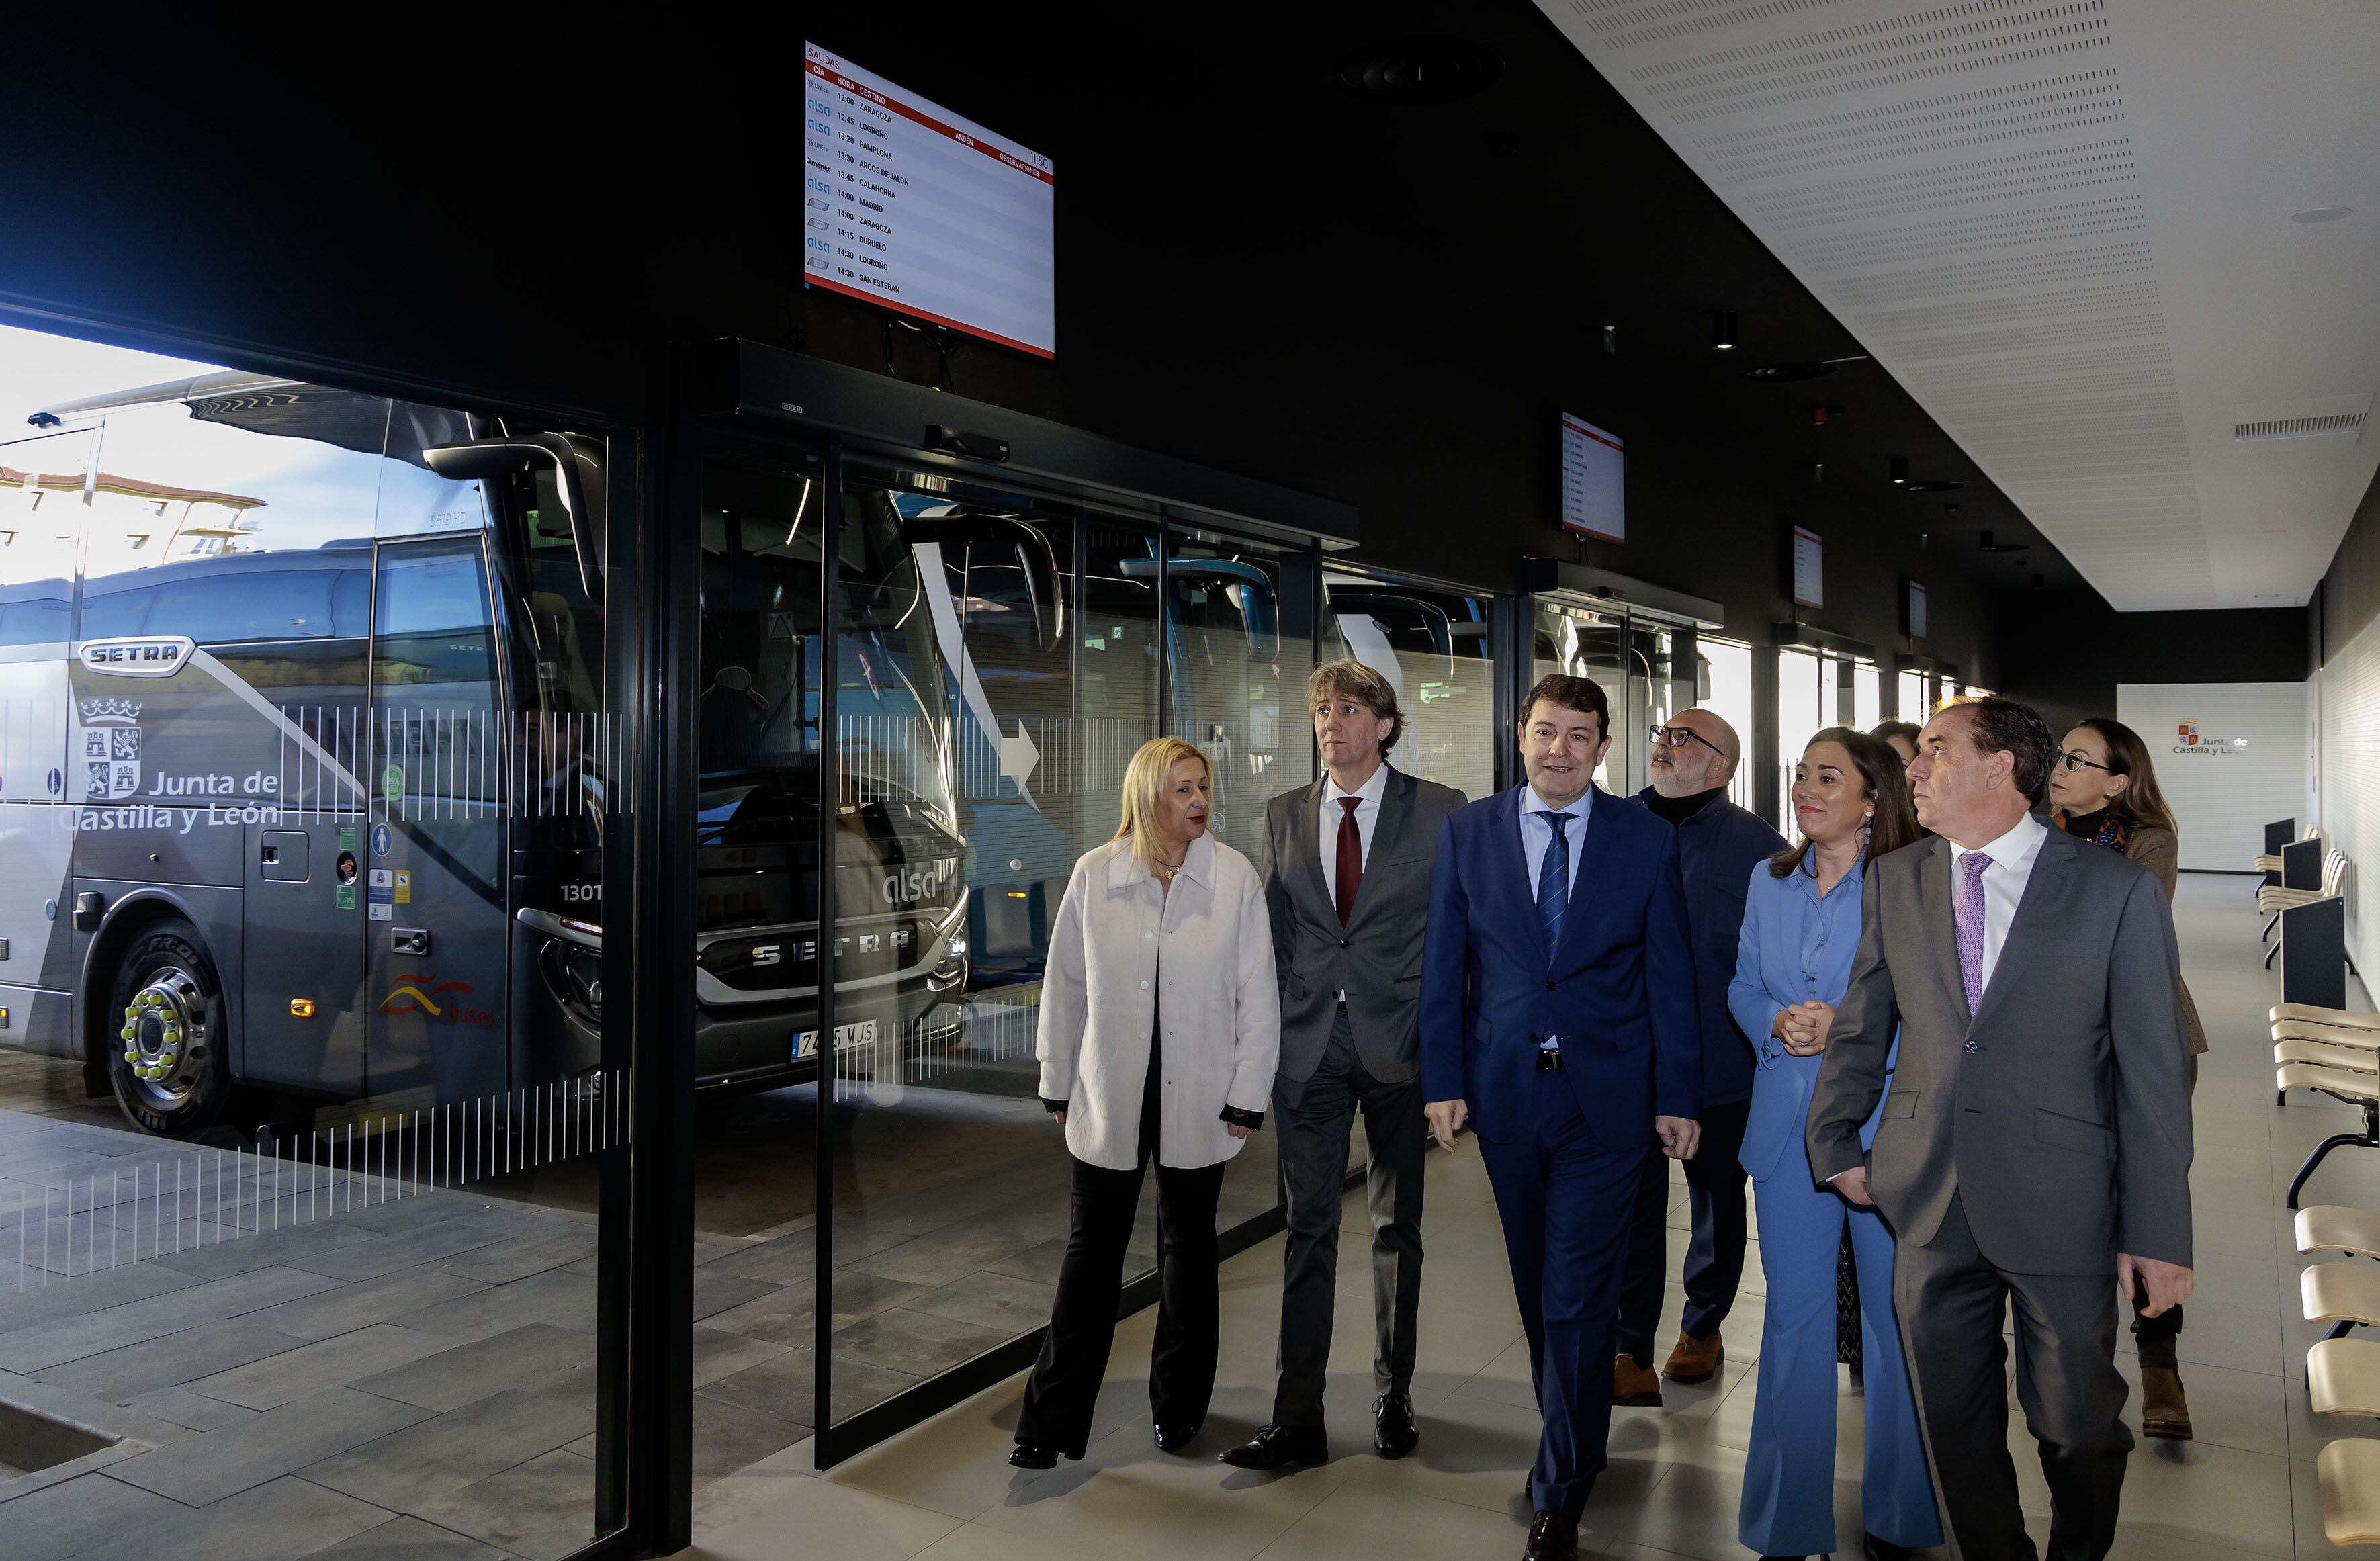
x: 153, y: 656
x: 423, y: 995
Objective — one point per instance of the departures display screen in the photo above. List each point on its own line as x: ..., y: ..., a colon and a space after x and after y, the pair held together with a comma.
x: 916, y: 209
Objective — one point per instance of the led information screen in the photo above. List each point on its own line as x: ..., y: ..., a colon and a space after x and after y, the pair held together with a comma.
x: 1809, y: 568
x: 909, y: 206
x: 1593, y: 490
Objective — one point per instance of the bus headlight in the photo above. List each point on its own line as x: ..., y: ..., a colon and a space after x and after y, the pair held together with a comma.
x: 955, y: 948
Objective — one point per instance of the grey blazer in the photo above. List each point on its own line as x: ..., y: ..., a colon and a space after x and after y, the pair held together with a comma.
x: 2059, y: 1113
x: 1376, y: 956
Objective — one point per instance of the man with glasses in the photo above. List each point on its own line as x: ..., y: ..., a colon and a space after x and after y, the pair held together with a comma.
x: 1346, y: 879
x: 1558, y: 1018
x: 1694, y: 759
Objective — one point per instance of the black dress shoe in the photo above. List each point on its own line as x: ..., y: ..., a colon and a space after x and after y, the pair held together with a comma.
x: 1884, y: 1550
x: 1278, y: 1446
x: 1033, y: 1455
x: 1553, y: 1538
x: 1393, y: 1432
x: 1174, y: 1438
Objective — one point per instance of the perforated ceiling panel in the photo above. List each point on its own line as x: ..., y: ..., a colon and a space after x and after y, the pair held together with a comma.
x: 1960, y: 185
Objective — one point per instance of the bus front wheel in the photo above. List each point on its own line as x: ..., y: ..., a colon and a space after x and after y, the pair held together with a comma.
x: 169, y: 1055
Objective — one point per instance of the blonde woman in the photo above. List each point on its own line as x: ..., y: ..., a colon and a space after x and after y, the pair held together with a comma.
x: 1160, y: 1024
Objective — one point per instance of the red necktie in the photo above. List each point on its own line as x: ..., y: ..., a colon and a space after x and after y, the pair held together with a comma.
x: 1351, y: 858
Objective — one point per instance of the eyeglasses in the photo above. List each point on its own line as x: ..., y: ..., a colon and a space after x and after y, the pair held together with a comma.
x: 2071, y: 761
x: 1678, y: 736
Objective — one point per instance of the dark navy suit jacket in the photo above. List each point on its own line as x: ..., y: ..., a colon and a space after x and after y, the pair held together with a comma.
x: 1620, y: 991
x: 1717, y: 851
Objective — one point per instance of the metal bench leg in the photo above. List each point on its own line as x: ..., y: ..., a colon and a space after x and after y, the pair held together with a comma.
x: 2271, y: 954
x: 2369, y: 1138
x: 2269, y: 925
x: 2315, y: 1159
x: 2341, y: 1330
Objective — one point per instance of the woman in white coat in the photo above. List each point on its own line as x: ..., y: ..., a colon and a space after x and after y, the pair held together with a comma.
x: 1160, y: 1025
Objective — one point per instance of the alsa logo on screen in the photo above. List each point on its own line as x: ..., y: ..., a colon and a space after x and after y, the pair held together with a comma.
x: 2195, y: 741
x: 440, y: 1000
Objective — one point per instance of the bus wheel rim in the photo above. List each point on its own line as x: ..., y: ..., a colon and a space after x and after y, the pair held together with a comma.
x: 164, y: 1038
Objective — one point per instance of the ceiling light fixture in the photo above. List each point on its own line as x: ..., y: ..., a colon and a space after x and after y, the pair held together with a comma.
x: 2321, y: 214
x: 1901, y: 471
x: 1778, y: 373
x: 1723, y: 330
x: 1933, y: 485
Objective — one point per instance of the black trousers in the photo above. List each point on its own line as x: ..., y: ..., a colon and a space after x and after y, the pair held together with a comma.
x: 1315, y: 1120
x: 1952, y: 1299
x: 1713, y: 1261
x: 1063, y: 1391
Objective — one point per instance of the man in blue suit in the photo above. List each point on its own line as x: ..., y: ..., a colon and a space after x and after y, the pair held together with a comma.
x: 1559, y: 1019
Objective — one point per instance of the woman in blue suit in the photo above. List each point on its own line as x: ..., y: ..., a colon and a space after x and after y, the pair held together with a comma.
x: 1794, y: 961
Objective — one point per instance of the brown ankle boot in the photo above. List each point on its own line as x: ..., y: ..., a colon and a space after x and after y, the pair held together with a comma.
x: 1695, y: 1359
x: 1634, y: 1385
x: 2164, y: 1411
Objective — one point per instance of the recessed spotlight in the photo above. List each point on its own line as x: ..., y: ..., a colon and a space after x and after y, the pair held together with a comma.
x: 1901, y: 471
x: 2321, y: 214
x: 1723, y: 330
x: 1419, y: 70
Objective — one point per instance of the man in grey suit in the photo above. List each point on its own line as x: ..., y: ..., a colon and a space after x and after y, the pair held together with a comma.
x: 2034, y: 1138
x: 1346, y: 871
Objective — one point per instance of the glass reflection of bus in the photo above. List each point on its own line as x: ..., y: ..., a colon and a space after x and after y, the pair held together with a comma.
x: 305, y: 763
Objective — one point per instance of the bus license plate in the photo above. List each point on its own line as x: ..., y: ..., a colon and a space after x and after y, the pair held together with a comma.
x: 859, y: 1032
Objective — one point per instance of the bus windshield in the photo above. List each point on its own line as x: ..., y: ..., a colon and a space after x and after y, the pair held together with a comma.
x: 760, y: 646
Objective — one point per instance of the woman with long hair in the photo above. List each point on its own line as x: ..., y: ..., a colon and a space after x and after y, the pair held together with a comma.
x: 2104, y: 788
x: 1793, y: 962
x: 1160, y: 1024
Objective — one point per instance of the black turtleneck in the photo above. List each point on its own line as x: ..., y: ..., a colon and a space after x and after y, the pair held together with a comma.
x: 2085, y: 826
x: 1674, y: 811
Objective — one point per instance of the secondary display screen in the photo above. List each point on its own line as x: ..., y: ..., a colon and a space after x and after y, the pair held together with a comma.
x: 1593, y: 485
x: 910, y: 206
x: 1809, y: 568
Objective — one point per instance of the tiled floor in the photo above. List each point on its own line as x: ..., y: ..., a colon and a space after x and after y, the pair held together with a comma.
x: 2245, y: 1488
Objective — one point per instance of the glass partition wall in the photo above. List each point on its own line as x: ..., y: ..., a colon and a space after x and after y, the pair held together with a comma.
x: 874, y: 1246
x: 1649, y: 668
x: 1816, y: 689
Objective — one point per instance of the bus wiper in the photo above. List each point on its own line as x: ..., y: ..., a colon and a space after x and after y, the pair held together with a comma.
x: 579, y: 481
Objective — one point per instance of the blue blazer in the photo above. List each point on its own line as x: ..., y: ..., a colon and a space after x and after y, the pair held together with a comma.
x: 1620, y: 991
x: 1794, y: 948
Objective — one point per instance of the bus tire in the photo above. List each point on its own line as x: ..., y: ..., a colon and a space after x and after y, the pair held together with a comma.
x: 169, y: 1053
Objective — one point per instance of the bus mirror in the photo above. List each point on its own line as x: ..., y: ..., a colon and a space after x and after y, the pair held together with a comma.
x: 1017, y: 550
x: 578, y: 465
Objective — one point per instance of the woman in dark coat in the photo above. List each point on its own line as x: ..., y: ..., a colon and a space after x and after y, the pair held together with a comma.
x: 2103, y: 789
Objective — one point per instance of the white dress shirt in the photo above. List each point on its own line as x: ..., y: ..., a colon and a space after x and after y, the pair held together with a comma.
x: 2012, y: 857
x: 1367, y: 819
x: 1539, y: 839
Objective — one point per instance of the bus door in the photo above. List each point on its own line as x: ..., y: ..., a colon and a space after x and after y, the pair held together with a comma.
x: 41, y: 500
x: 447, y: 767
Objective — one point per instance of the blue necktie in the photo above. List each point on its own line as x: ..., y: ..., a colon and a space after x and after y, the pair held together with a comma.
x: 1553, y: 880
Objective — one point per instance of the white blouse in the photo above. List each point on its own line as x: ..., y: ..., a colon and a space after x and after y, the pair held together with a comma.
x: 1120, y: 942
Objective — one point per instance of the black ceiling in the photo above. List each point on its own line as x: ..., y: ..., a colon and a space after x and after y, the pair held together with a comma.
x: 1248, y: 205
x: 1229, y: 209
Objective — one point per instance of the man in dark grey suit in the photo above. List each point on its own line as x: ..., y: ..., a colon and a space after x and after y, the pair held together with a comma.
x: 1349, y: 895
x: 2034, y: 1139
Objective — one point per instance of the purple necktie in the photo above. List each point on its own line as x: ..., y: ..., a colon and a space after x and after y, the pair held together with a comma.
x: 1967, y: 910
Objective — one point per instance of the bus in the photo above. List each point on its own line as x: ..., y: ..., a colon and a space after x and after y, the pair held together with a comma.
x: 305, y: 762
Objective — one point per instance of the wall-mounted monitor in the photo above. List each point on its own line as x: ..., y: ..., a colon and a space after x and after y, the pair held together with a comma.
x: 1593, y: 488
x: 1916, y: 611
x: 914, y: 208
x: 1809, y: 568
